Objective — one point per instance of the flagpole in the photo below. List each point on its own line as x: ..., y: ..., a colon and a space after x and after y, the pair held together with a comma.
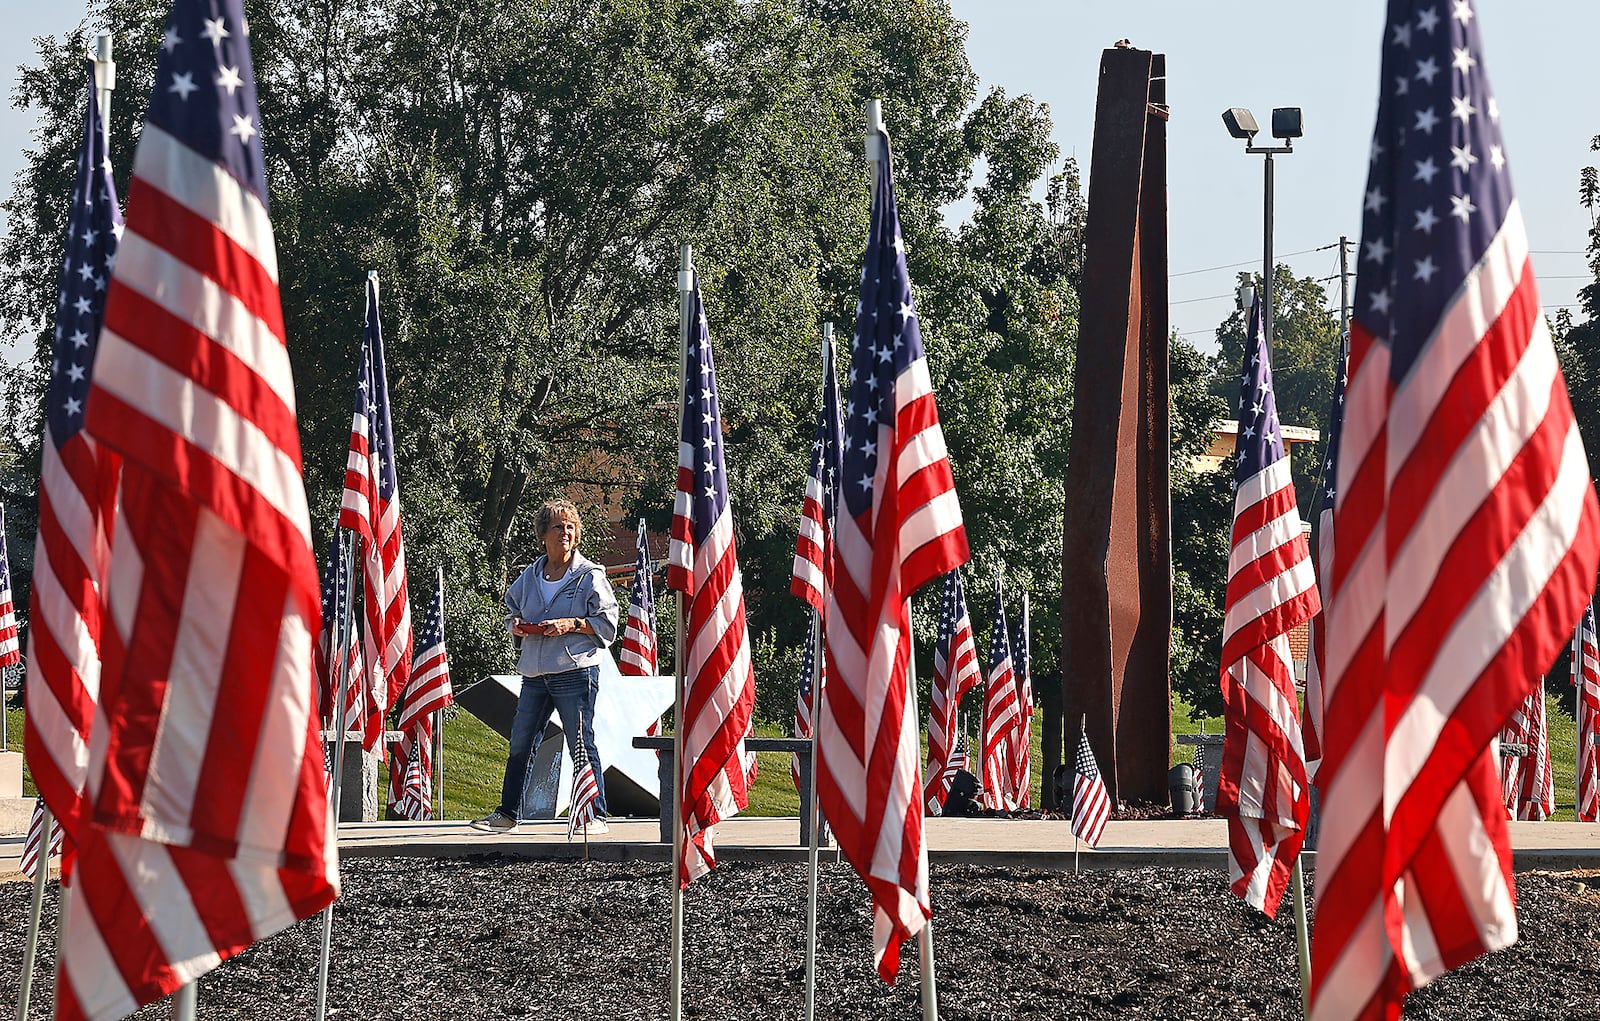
x: 817, y: 672
x: 930, y: 990
x: 41, y: 878
x: 338, y: 652
x: 685, y: 289
x: 1302, y: 935
x: 185, y: 1000
x: 438, y: 715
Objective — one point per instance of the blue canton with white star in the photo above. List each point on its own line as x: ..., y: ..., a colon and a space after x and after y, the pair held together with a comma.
x: 702, y: 424
x: 1259, y: 441
x: 1439, y: 189
x: 431, y: 634
x: 1330, y: 466
x: 952, y: 610
x: 999, y: 640
x: 372, y: 397
x: 826, y: 466
x: 643, y: 588
x: 94, y: 227
x: 205, y: 90
x: 885, y: 343
x: 335, y: 581
x: 808, y: 664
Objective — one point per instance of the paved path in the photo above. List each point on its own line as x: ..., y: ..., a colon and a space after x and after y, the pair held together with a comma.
x: 1045, y: 844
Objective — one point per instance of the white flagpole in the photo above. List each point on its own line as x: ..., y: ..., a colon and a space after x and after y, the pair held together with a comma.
x: 685, y: 289
x: 930, y: 996
x: 185, y: 1001
x: 338, y: 652
x: 1302, y: 934
x: 930, y: 990
x: 817, y: 671
x: 438, y: 716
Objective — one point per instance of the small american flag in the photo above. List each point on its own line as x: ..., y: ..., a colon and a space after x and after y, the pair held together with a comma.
x: 427, y: 692
x: 35, y: 841
x: 1091, y: 805
x: 1467, y: 535
x: 955, y: 672
x: 638, y: 657
x: 813, y: 554
x: 585, y: 793
x: 719, y: 687
x: 211, y: 826
x: 1526, y: 783
x: 1316, y: 662
x: 371, y: 509
x: 1001, y: 717
x: 77, y: 489
x: 411, y: 773
x: 1022, y: 746
x: 899, y: 528
x: 1586, y: 679
x: 10, y: 649
x: 1272, y: 588
x: 803, y: 699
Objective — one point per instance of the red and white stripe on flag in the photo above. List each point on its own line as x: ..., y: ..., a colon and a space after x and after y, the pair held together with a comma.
x: 1526, y: 781
x: 1001, y: 719
x: 955, y: 672
x: 210, y: 825
x: 1091, y: 804
x: 411, y: 772
x: 1467, y: 537
x: 719, y: 687
x: 34, y: 842
x: 10, y: 648
x: 899, y: 526
x: 585, y: 806
x: 637, y: 657
x: 1262, y: 786
x: 1586, y: 678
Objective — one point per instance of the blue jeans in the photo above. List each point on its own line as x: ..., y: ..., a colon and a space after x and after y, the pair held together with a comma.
x: 572, y: 692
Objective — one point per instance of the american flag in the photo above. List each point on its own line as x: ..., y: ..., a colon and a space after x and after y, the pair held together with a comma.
x: 77, y: 487
x: 955, y: 672
x: 813, y: 553
x: 29, y: 865
x: 803, y: 698
x: 10, y: 650
x: 1022, y: 747
x: 638, y: 657
x: 719, y: 689
x: 338, y: 673
x: 427, y: 692
x: 1586, y: 678
x: 1466, y: 538
x: 371, y: 509
x: 1000, y: 717
x: 1316, y: 661
x: 899, y: 528
x: 1526, y: 783
x: 585, y: 793
x: 1262, y: 788
x: 1091, y: 805
x: 212, y: 829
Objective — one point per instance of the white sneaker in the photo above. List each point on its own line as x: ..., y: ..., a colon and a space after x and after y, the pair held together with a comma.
x: 594, y: 827
x: 495, y: 822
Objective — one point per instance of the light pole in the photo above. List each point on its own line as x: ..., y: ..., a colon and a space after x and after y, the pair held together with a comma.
x: 1286, y: 125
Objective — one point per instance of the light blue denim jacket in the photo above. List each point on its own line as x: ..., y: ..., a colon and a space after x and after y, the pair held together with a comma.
x: 584, y: 594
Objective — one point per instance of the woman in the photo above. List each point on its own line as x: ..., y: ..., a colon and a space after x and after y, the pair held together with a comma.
x: 562, y: 615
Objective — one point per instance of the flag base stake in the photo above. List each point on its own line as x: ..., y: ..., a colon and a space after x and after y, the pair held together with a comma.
x: 1302, y: 934
x: 41, y: 878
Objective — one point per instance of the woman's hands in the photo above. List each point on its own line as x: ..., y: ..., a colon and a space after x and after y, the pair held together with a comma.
x: 553, y: 628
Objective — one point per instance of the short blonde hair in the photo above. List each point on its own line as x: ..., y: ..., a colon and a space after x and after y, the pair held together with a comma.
x: 550, y: 510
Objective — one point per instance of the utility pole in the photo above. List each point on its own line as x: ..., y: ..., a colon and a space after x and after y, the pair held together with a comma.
x: 1344, y: 286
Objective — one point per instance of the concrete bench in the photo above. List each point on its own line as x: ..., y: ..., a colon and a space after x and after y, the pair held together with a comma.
x: 666, y: 749
x: 359, y: 780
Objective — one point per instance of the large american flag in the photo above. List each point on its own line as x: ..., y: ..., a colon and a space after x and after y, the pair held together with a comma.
x: 813, y: 553
x: 77, y: 486
x: 804, y: 697
x: 1526, y: 783
x: 955, y: 672
x: 899, y: 527
x: 1262, y: 789
x: 1091, y: 805
x: 427, y: 692
x: 10, y: 650
x: 1316, y: 660
x: 1001, y: 717
x: 1586, y: 679
x: 638, y: 658
x: 211, y: 826
x: 719, y: 688
x: 1022, y: 746
x: 371, y: 509
x: 1466, y: 538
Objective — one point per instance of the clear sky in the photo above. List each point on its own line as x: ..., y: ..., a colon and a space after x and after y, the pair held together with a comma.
x: 1321, y: 57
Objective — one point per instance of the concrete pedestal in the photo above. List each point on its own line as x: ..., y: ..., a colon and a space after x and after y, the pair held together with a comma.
x: 15, y: 810
x: 358, y: 801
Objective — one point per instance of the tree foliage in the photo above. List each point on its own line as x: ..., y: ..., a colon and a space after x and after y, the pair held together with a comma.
x: 521, y: 177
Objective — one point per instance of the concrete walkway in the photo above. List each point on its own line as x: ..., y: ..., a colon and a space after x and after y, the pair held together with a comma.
x: 1043, y: 844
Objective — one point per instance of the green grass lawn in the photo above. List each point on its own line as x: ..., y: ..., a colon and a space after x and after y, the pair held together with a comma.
x: 475, y: 759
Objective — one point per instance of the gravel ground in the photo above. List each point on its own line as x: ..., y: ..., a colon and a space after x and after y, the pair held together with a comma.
x: 487, y: 939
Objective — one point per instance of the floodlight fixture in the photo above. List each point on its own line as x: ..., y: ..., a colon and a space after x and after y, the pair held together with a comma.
x: 1241, y: 123
x: 1286, y: 122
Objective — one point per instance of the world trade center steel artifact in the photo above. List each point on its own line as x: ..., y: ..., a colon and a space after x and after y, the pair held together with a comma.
x: 1116, y: 565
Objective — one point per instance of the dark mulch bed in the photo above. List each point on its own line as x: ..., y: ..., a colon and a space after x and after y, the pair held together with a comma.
x: 488, y: 939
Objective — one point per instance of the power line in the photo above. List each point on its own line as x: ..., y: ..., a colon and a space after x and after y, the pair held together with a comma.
x: 1249, y: 262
